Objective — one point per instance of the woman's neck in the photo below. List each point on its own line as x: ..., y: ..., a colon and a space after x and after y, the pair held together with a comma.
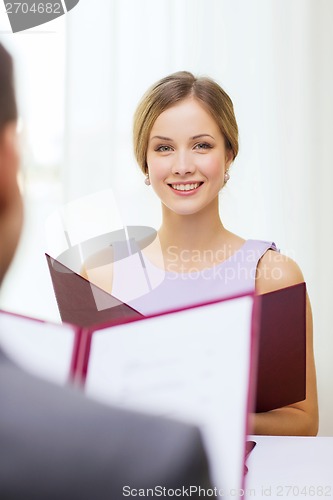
x: 190, y: 231
x: 196, y: 236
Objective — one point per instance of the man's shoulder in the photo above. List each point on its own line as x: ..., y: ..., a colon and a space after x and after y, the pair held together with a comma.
x: 55, y: 438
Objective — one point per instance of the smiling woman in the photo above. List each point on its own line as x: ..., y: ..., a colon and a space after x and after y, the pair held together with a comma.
x: 185, y: 139
x: 193, y: 163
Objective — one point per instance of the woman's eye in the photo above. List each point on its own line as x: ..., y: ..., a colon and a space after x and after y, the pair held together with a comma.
x: 203, y: 145
x: 163, y: 149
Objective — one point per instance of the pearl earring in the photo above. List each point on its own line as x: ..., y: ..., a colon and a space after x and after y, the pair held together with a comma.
x: 147, y: 180
x: 226, y: 177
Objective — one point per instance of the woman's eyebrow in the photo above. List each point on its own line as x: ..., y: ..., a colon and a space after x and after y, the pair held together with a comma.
x: 161, y: 138
x: 201, y: 135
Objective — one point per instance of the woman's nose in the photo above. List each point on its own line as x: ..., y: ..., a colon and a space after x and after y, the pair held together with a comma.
x: 183, y: 164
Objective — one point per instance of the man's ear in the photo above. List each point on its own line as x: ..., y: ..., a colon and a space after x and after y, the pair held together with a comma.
x: 9, y: 161
x: 11, y: 213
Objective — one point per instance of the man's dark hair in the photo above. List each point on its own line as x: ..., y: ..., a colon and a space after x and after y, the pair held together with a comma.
x: 8, y: 109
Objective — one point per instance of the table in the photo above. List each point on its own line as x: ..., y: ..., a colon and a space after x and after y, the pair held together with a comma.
x: 290, y: 467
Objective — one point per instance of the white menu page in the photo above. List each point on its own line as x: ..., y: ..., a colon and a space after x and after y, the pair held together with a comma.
x: 192, y: 365
x: 44, y: 349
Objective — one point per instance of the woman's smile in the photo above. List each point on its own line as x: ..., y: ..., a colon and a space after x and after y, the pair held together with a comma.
x: 185, y: 188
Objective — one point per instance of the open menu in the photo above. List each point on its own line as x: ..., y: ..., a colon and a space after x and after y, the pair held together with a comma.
x: 281, y: 350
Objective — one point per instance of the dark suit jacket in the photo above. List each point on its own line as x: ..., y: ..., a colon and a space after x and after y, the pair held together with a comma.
x: 56, y: 444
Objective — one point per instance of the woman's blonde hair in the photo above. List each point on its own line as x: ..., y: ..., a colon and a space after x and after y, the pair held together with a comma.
x: 173, y: 89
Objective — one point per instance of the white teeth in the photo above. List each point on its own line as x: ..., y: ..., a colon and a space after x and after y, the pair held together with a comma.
x: 185, y: 187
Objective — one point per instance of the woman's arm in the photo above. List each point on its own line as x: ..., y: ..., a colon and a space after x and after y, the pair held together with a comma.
x: 300, y: 419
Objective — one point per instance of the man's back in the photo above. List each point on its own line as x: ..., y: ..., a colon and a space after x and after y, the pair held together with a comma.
x: 57, y: 444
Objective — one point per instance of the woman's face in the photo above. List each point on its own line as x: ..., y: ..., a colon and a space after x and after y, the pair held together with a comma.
x: 187, y: 158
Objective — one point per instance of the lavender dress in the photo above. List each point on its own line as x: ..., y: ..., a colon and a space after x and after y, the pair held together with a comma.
x: 149, y: 289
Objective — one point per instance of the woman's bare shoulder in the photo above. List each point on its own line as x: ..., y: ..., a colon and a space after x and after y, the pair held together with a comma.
x: 276, y: 271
